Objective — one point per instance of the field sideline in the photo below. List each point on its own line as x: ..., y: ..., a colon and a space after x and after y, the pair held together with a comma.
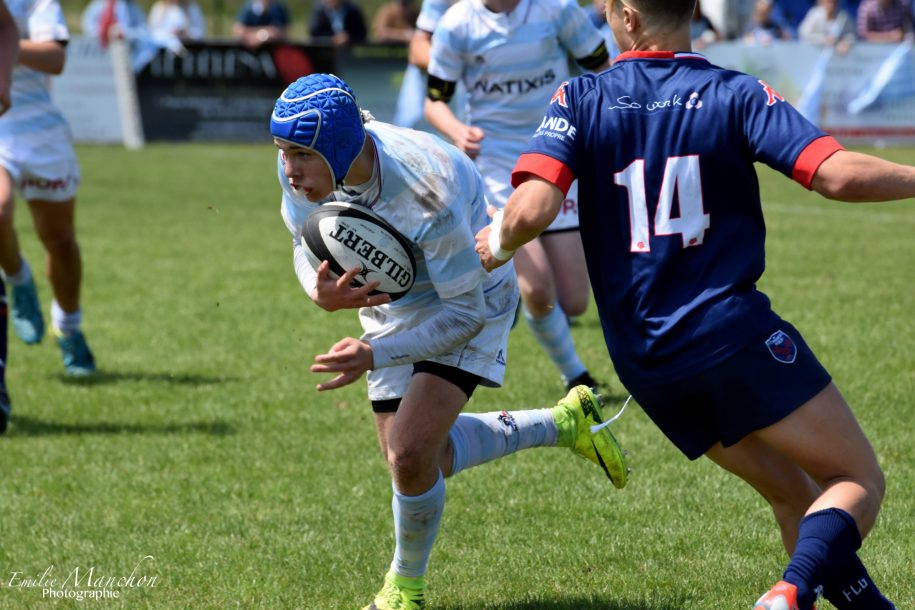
x: 201, y: 457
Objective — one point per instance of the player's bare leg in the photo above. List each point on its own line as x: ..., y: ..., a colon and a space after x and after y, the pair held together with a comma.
x: 566, y: 258
x: 825, y: 441
x: 55, y: 225
x: 545, y: 317
x: 25, y: 311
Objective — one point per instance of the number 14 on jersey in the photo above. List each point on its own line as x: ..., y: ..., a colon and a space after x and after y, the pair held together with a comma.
x: 681, y: 178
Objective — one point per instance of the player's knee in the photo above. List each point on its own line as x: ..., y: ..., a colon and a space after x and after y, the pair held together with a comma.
x: 60, y: 243
x: 574, y: 305
x: 408, y: 462
x: 538, y: 303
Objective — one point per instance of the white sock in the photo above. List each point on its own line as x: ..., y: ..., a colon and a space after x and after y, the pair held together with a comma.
x: 416, y: 520
x: 65, y: 322
x: 553, y: 334
x: 23, y: 277
x: 477, y: 438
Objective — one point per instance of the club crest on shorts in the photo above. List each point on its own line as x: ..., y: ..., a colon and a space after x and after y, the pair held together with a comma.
x: 782, y: 347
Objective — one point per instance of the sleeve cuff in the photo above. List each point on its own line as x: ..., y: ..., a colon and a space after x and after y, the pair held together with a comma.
x: 542, y: 166
x: 810, y: 159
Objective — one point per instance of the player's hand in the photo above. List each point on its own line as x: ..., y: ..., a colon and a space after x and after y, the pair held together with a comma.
x: 488, y: 261
x: 332, y: 294
x: 468, y: 139
x: 348, y: 357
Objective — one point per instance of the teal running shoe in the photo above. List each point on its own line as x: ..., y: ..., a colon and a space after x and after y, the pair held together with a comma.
x: 78, y: 359
x: 26, y: 313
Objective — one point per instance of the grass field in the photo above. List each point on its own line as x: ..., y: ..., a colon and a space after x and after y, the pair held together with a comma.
x: 202, y: 445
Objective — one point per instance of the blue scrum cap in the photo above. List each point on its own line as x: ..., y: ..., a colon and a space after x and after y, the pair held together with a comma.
x: 319, y: 112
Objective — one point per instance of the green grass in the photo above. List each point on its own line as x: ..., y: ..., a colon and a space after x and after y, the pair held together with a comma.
x: 203, y: 444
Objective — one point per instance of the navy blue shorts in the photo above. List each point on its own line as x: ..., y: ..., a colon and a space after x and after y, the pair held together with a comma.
x: 755, y: 388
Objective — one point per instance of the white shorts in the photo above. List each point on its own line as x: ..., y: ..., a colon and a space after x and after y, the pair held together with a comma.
x: 484, y: 355
x: 46, y: 172
x: 497, y: 172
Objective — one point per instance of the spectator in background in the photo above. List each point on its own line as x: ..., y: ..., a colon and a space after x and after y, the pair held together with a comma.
x: 395, y: 22
x: 104, y: 19
x: 701, y: 30
x: 261, y: 21
x: 340, y: 21
x: 827, y: 24
x: 884, y: 21
x: 764, y: 29
x: 173, y: 21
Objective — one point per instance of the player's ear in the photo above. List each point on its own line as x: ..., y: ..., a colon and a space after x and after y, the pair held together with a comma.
x: 631, y: 19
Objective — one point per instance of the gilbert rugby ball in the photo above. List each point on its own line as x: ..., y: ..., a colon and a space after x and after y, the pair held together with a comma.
x: 349, y: 235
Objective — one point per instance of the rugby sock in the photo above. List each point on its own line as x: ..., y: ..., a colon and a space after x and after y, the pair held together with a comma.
x: 4, y: 315
x: 416, y: 520
x: 849, y: 587
x: 553, y: 334
x: 65, y: 322
x: 23, y: 277
x: 826, y: 538
x: 477, y: 438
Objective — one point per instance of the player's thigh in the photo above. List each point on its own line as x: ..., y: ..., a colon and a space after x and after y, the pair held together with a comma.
x: 54, y: 220
x: 566, y: 257
x: 776, y: 477
x: 420, y: 427
x: 823, y: 437
x: 535, y: 278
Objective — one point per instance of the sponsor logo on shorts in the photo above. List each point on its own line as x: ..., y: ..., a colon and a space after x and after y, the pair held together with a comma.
x: 47, y: 184
x: 782, y: 347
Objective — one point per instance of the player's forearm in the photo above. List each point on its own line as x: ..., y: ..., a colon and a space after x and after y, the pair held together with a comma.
x: 458, y: 321
x: 529, y: 211
x: 48, y: 56
x: 857, y: 177
x: 304, y: 270
x: 440, y: 116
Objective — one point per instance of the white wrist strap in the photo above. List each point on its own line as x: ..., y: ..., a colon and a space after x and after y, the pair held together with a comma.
x: 495, y: 243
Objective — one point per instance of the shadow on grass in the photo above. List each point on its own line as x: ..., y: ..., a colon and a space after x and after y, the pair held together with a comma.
x: 23, y: 425
x: 105, y: 377
x: 576, y: 604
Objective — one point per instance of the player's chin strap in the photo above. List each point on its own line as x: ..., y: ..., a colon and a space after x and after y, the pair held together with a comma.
x: 598, y: 427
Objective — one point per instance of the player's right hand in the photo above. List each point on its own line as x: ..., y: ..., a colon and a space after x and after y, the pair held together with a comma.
x: 332, y: 293
x: 468, y: 140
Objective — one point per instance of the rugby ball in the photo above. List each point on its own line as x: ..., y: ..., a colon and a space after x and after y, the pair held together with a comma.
x: 349, y: 235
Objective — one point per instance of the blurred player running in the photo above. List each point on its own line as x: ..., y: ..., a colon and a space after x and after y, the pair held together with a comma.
x: 37, y: 159
x: 510, y: 55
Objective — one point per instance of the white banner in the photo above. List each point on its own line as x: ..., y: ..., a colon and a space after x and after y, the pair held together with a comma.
x: 865, y: 96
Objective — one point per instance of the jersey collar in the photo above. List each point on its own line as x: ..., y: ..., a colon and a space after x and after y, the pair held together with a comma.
x: 658, y: 55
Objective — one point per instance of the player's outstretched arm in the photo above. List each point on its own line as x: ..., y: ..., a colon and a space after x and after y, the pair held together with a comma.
x: 857, y: 177
x: 529, y: 211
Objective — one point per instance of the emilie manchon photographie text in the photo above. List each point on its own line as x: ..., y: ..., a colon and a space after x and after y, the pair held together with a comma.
x: 80, y: 583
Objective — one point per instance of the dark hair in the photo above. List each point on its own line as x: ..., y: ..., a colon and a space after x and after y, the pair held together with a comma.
x: 670, y: 12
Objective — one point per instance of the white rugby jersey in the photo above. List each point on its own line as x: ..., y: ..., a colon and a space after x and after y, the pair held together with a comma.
x: 431, y: 193
x: 511, y: 63
x: 430, y: 12
x: 33, y: 116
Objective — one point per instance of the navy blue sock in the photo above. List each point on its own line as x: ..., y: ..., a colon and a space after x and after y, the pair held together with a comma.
x: 849, y: 587
x: 4, y: 314
x: 825, y: 538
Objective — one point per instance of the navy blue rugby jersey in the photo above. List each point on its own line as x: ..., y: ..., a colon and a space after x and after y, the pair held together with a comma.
x: 663, y: 146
